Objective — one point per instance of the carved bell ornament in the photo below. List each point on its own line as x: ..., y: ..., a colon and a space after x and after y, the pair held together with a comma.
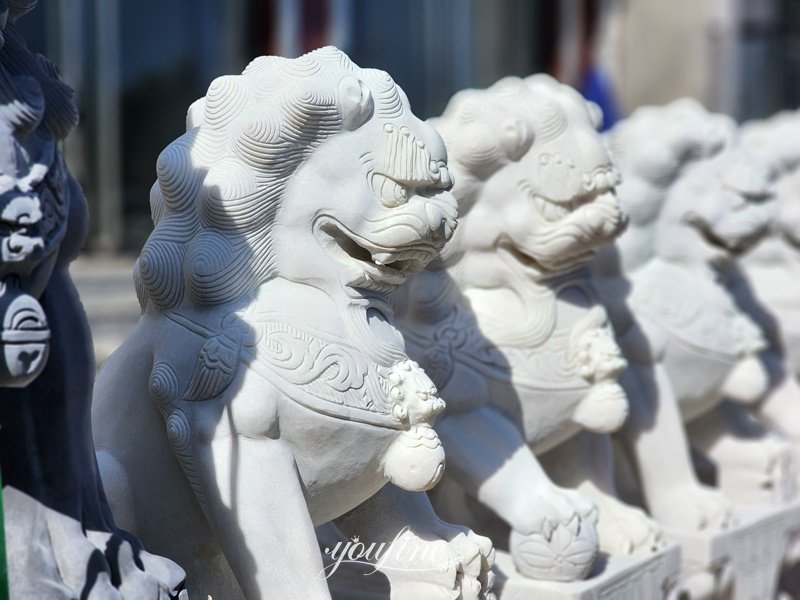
x: 25, y: 337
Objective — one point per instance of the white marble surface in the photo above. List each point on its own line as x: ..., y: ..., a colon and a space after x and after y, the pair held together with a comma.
x: 266, y: 352
x: 511, y: 329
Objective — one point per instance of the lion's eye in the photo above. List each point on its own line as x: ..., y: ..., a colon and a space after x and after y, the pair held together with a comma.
x: 391, y: 193
x: 441, y: 175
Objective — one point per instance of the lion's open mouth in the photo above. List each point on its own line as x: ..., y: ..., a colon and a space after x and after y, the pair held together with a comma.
x: 569, y: 231
x: 733, y: 245
x: 595, y: 184
x: 369, y: 265
x: 560, y: 262
x: 553, y: 212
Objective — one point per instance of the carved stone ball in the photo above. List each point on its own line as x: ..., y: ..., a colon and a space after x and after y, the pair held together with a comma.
x: 567, y: 555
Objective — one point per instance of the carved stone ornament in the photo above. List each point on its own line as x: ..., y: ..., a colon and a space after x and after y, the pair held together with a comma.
x: 697, y: 201
x: 509, y: 326
x: 265, y: 389
x: 61, y: 541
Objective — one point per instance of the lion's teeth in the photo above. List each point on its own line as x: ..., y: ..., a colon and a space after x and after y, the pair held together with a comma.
x: 381, y: 258
x: 552, y: 211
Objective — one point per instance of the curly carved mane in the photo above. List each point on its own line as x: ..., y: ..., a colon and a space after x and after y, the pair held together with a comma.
x: 774, y: 140
x: 220, y: 185
x: 656, y: 144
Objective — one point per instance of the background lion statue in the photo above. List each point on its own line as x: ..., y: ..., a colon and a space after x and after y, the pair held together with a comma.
x: 509, y: 326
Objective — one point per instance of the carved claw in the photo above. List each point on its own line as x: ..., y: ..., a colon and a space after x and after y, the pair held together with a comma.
x: 564, y: 545
x: 628, y: 530
x: 565, y: 556
x: 693, y: 508
x: 455, y: 566
x: 63, y: 553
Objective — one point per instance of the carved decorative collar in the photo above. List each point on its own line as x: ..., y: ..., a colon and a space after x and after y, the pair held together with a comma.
x: 329, y: 376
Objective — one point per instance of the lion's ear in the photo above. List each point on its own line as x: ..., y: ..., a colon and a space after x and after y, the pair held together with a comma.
x: 194, y: 116
x: 595, y: 114
x: 516, y: 136
x: 355, y: 102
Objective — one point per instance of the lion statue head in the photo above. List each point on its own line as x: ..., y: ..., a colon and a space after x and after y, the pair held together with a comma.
x: 716, y: 210
x: 773, y: 141
x: 652, y: 148
x: 530, y: 151
x: 250, y: 192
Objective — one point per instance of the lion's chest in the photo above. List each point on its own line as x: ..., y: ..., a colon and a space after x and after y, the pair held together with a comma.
x: 706, y: 334
x: 339, y: 461
x: 329, y: 375
x: 323, y: 397
x: 520, y: 352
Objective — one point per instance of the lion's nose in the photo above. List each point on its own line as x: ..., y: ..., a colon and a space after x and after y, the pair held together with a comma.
x: 441, y: 221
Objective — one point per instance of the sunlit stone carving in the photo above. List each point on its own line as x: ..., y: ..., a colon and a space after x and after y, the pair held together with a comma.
x: 265, y: 390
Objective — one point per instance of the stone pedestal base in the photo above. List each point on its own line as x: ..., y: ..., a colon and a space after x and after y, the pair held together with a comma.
x: 741, y: 563
x: 744, y: 562
x: 652, y: 577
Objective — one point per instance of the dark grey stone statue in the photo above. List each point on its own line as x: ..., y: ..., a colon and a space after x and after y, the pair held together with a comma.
x: 61, y: 538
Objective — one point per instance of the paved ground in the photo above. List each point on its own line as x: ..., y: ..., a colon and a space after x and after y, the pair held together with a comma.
x: 106, y: 288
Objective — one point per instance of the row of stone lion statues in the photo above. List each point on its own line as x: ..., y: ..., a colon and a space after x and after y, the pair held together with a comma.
x: 593, y: 331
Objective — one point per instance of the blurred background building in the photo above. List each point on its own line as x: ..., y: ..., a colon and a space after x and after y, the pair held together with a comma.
x: 136, y: 66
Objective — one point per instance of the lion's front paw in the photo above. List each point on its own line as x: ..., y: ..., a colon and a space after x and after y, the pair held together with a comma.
x: 756, y: 471
x: 623, y: 529
x: 453, y: 563
x: 626, y: 529
x: 559, y: 542
x: 693, y: 508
